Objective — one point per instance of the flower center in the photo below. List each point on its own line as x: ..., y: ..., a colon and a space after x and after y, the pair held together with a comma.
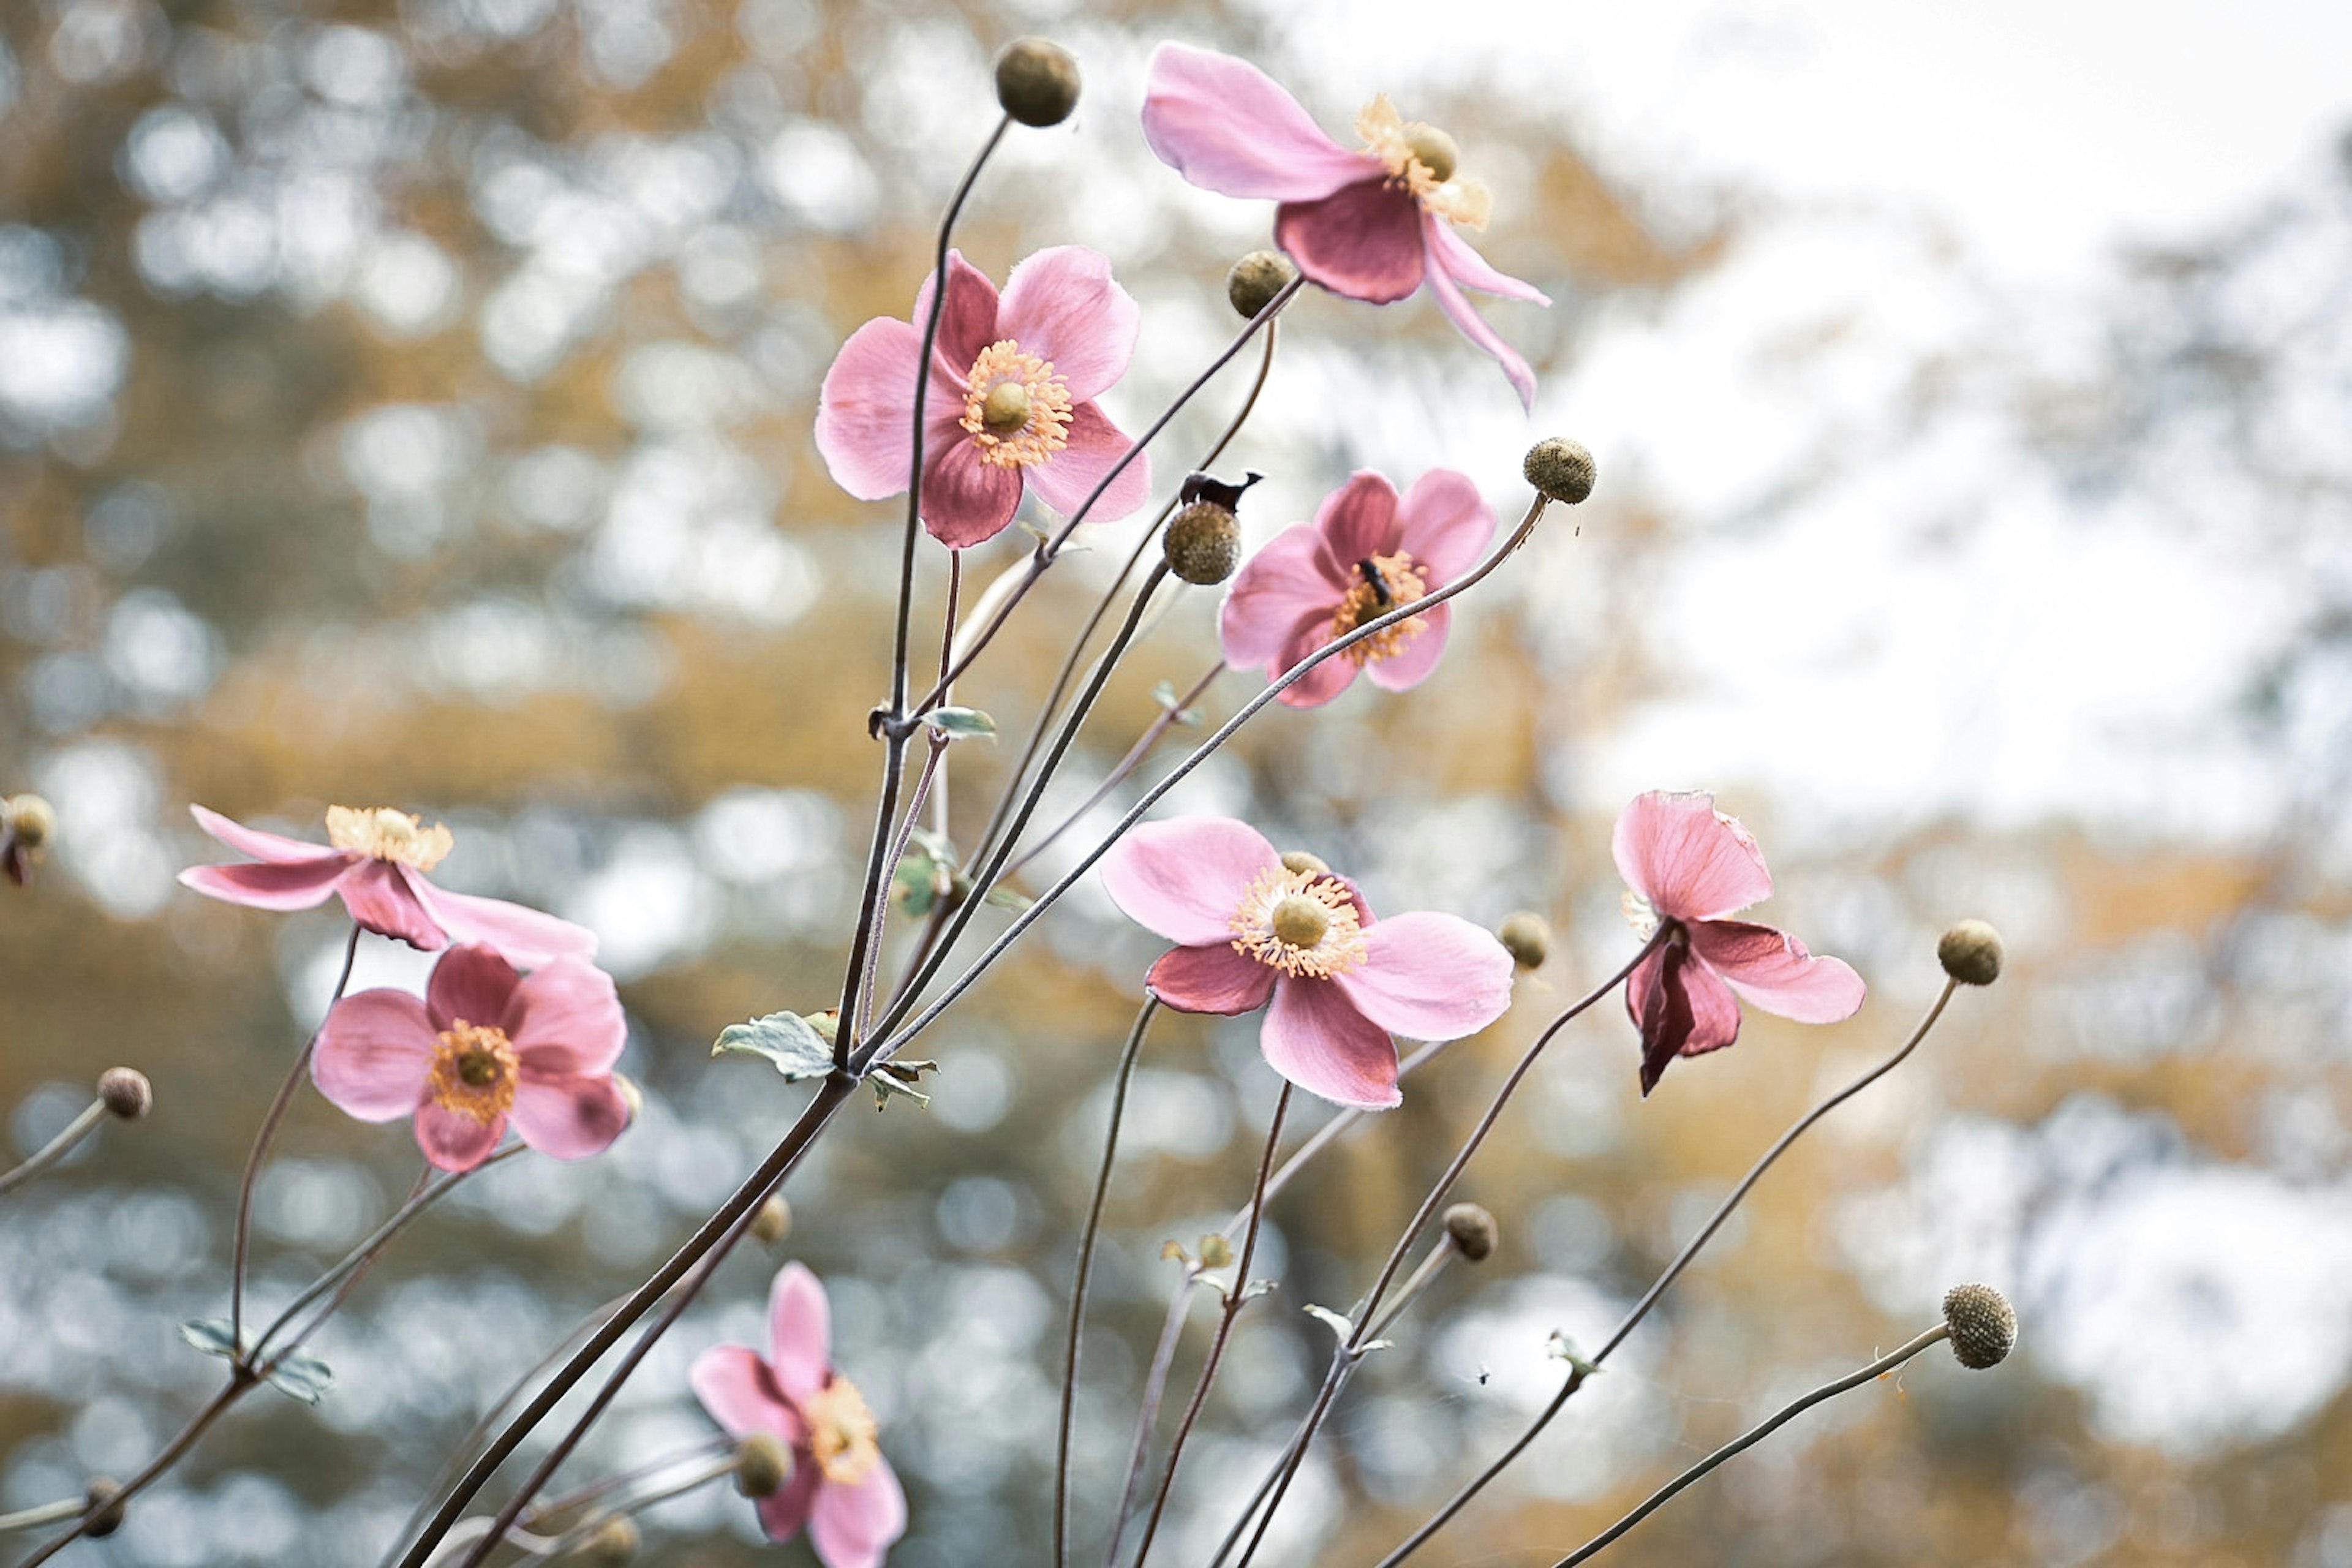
x: 383, y: 833
x: 1422, y: 159
x: 1382, y: 582
x: 474, y: 1072
x: 841, y: 1432
x: 1300, y: 923
x: 1016, y: 408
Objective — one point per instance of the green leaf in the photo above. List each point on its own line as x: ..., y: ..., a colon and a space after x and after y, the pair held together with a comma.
x: 1338, y: 1324
x: 796, y: 1048
x: 211, y: 1336
x: 301, y: 1375
x: 1562, y: 1348
x: 961, y: 723
x: 926, y: 873
x: 1165, y: 695
x: 1215, y: 1250
x: 1009, y: 899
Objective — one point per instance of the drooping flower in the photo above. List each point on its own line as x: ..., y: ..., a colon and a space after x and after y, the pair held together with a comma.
x: 1690, y: 867
x: 1372, y: 225
x: 377, y: 860
x: 1013, y: 383
x: 1254, y: 926
x: 1367, y: 552
x: 841, y: 1489
x: 483, y: 1047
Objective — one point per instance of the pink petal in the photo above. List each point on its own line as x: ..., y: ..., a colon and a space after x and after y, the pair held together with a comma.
x: 1445, y: 524
x: 1362, y: 241
x: 522, y: 936
x: 1225, y: 126
x: 1315, y: 1037
x: 1410, y: 665
x: 1681, y: 1008
x: 1279, y: 589
x: 740, y: 1392
x: 1430, y: 977
x: 800, y: 1333
x: 1773, y: 970
x: 1357, y: 521
x: 852, y: 1526
x: 472, y: 984
x: 568, y: 1116
x: 381, y: 897
x: 454, y: 1140
x: 1095, y: 446
x: 567, y: 1018
x: 967, y: 326
x: 1456, y: 306
x: 1184, y: 877
x: 1211, y: 980
x: 268, y: 846
x: 967, y: 501
x: 1320, y: 684
x: 270, y: 885
x: 866, y: 410
x: 375, y: 1054
x: 785, y: 1512
x: 1690, y: 862
x: 1454, y: 255
x: 1060, y: 304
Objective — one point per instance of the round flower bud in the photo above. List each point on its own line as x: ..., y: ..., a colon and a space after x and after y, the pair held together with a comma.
x: 762, y: 1464
x: 1983, y: 1325
x: 612, y: 1544
x: 1203, y: 543
x: 1037, y: 82
x: 32, y: 821
x: 1560, y: 469
x: 1300, y: 860
x: 1473, y: 1230
x: 1971, y: 953
x: 773, y: 1222
x: 126, y: 1092
x: 1527, y: 937
x: 1256, y: 278
x: 100, y: 1495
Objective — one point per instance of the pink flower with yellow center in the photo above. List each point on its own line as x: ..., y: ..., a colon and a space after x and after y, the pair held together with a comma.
x: 376, y: 860
x: 1011, y: 403
x: 1257, y: 927
x: 1689, y: 866
x: 1372, y: 224
x: 1367, y: 553
x: 483, y: 1047
x: 841, y: 1490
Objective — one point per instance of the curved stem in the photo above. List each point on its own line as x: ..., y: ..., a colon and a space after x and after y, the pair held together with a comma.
x: 240, y: 1380
x: 57, y: 1148
x: 1168, y: 719
x: 46, y: 1513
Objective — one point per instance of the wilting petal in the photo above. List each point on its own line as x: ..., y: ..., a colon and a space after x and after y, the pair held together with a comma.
x: 1472, y: 325
x: 866, y: 410
x: 1773, y: 970
x: 1453, y: 256
x: 800, y: 1333
x: 1362, y: 241
x: 271, y: 885
x: 568, y: 1116
x: 1064, y: 481
x: 472, y: 984
x: 268, y: 846
x: 740, y: 1392
x: 1357, y: 521
x: 1691, y: 863
x: 1681, y: 1008
x: 1184, y: 877
x: 375, y: 1054
x: 852, y: 1526
x: 1410, y: 665
x: 1060, y: 304
x: 567, y: 1017
x: 523, y: 936
x: 967, y: 501
x: 1320, y: 684
x: 1277, y: 590
x: 455, y: 1140
x: 382, y: 899
x: 1315, y: 1037
x: 1430, y: 977
x: 1224, y: 124
x: 1445, y: 523
x: 1211, y: 980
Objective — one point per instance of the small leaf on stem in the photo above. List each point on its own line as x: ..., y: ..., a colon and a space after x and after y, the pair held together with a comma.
x: 961, y: 723
x: 796, y: 1048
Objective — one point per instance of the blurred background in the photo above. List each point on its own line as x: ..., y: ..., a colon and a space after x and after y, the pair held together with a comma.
x: 408, y: 402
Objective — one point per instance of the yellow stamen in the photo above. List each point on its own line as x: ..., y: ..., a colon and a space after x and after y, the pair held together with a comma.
x: 842, y: 1432
x: 1394, y: 580
x: 1299, y: 922
x: 1016, y: 408
x: 474, y: 1072
x: 385, y: 834
x: 1422, y: 159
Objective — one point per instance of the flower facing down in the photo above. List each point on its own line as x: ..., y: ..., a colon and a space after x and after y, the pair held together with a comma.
x: 841, y: 1489
x: 1013, y: 383
x: 1689, y: 866
x: 1366, y: 553
x: 482, y: 1047
x: 1373, y: 225
x: 377, y: 860
x: 1253, y: 927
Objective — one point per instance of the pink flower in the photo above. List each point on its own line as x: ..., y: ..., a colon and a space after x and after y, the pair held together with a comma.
x: 841, y: 1488
x: 1254, y: 924
x: 1010, y: 399
x: 1373, y: 225
x: 377, y: 863
x: 482, y: 1046
x: 1366, y: 553
x: 1690, y: 865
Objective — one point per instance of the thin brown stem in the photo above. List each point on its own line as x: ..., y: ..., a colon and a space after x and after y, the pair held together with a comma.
x: 1168, y: 718
x: 57, y: 1148
x: 240, y: 1380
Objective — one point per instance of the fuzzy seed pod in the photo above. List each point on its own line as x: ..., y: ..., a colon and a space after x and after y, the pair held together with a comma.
x: 762, y: 1464
x: 1255, y: 279
x: 1037, y: 82
x: 1527, y: 937
x: 126, y: 1092
x: 99, y: 1494
x: 1473, y: 1230
x: 1203, y: 543
x: 773, y: 1222
x: 1971, y: 953
x: 1560, y: 469
x: 1983, y: 1325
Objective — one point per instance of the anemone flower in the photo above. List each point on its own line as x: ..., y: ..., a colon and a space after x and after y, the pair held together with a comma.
x: 482, y: 1047
x: 1366, y: 553
x: 1256, y: 926
x: 1372, y: 225
x: 1013, y: 381
x: 1689, y: 866
x: 376, y: 860
x: 841, y: 1489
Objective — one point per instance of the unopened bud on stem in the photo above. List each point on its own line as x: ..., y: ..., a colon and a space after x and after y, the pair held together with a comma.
x: 100, y: 1494
x: 1256, y: 278
x: 1971, y: 953
x: 1983, y: 1325
x: 773, y: 1222
x: 1473, y: 1230
x: 1527, y: 937
x: 1560, y: 469
x: 1037, y: 82
x: 127, y: 1092
x: 762, y: 1464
